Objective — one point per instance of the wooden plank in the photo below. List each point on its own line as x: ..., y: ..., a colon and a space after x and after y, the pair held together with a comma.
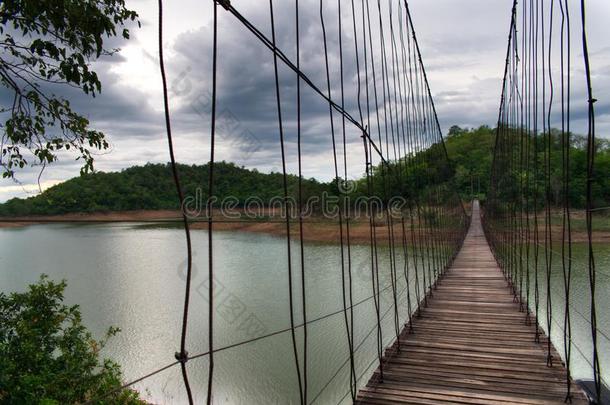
x: 470, y: 344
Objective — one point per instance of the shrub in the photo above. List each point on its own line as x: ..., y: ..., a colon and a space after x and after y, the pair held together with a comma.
x: 47, y: 356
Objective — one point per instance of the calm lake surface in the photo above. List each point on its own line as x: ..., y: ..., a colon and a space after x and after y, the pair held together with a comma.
x: 132, y: 276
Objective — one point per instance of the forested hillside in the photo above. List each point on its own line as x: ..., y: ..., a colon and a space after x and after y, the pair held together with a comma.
x: 471, y: 155
x: 151, y: 186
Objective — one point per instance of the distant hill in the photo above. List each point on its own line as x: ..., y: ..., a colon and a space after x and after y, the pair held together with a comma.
x: 151, y: 187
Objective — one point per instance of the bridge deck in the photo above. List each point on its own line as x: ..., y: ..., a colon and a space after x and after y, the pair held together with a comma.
x: 471, y: 344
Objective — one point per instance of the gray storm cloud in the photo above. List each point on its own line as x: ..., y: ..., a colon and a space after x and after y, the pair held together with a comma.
x: 463, y: 46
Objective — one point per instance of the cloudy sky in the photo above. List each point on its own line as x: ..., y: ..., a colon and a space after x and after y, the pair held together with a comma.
x: 463, y: 45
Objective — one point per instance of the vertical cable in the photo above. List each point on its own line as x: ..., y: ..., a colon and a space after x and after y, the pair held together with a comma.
x: 590, y: 173
x: 349, y: 324
x: 374, y: 214
x: 548, y: 240
x: 414, y: 203
x: 300, y: 196
x: 341, y: 213
x: 181, y: 356
x: 370, y: 193
x: 285, y: 187
x: 387, y: 105
x: 566, y: 262
x: 536, y: 152
x: 209, y: 213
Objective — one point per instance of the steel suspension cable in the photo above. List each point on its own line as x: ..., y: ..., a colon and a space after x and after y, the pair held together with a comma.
x: 182, y: 355
x: 591, y: 149
x: 532, y: 174
x: 387, y: 105
x: 285, y: 189
x: 566, y: 231
x: 368, y: 167
x: 300, y: 205
x: 340, y: 210
x: 349, y: 324
x: 420, y: 139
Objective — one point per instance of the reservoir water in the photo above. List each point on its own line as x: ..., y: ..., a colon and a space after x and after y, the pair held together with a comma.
x: 131, y: 275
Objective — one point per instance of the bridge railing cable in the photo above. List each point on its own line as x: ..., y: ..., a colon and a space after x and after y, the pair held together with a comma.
x: 221, y: 349
x: 527, y: 188
x: 405, y: 159
x: 182, y: 355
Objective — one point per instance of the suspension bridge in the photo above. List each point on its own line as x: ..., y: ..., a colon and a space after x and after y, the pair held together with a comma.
x: 471, y: 342
x: 472, y: 322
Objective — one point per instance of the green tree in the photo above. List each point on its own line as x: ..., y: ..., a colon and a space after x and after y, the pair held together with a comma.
x: 455, y: 130
x: 45, y: 44
x: 47, y: 356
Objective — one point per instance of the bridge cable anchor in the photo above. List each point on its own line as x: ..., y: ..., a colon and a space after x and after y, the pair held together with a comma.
x: 182, y: 357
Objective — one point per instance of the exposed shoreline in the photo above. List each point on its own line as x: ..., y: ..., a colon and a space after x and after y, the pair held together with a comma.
x: 314, y: 229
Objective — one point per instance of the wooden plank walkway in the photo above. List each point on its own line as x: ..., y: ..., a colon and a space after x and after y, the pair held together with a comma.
x: 471, y: 344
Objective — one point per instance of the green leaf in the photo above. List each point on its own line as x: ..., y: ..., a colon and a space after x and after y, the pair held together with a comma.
x: 56, y: 41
